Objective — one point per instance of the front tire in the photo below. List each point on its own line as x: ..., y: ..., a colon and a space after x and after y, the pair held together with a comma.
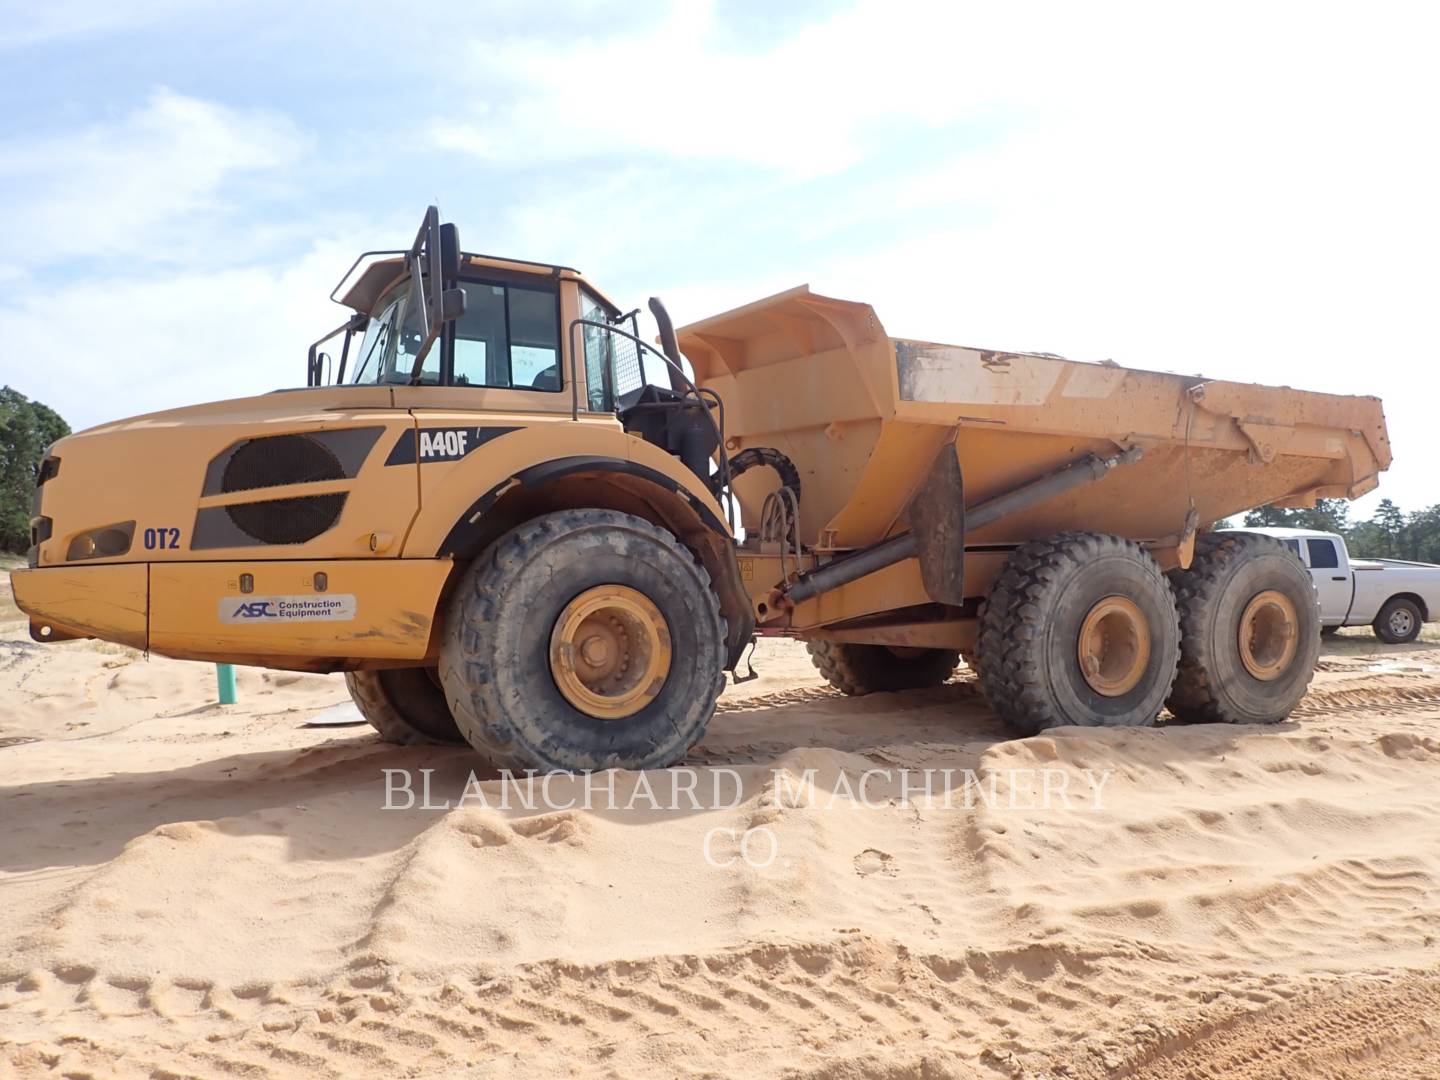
x: 405, y: 705
x: 1399, y: 621
x: 584, y: 640
x: 1250, y: 631
x: 1079, y: 629
x: 857, y: 669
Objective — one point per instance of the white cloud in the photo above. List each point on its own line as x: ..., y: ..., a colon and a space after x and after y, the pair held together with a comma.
x: 98, y: 349
x: 1243, y: 190
x: 1240, y: 190
x: 682, y: 90
x: 136, y: 186
x: 813, y: 101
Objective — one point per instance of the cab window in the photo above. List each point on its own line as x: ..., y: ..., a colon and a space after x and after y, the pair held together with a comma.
x: 509, y: 337
x: 599, y: 354
x: 394, y: 336
x: 407, y: 346
x: 1323, y: 555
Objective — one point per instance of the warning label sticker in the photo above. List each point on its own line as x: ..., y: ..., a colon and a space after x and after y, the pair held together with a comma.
x: 313, y: 608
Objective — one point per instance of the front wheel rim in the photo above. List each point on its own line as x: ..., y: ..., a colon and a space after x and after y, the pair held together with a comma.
x: 1269, y: 635
x: 610, y: 652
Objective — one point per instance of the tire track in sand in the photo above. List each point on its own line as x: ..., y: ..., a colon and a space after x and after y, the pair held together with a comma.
x: 1386, y: 1030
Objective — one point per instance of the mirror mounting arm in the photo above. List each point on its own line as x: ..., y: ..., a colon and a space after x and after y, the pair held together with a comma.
x: 437, y: 246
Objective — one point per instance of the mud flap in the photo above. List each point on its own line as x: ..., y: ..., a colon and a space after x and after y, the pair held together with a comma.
x: 937, y: 518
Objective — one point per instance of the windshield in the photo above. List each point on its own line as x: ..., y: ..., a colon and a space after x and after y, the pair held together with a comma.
x: 395, y: 334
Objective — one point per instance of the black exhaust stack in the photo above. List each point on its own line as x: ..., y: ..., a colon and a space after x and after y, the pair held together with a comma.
x: 669, y: 345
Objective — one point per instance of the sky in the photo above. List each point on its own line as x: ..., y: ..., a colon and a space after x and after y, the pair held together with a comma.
x: 1245, y: 191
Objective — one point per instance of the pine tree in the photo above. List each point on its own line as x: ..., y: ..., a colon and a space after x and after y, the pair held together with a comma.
x: 1391, y: 523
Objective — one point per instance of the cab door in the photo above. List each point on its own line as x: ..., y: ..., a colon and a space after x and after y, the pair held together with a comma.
x: 1334, y: 584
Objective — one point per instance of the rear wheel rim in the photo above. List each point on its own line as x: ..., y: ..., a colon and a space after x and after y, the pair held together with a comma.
x: 1269, y: 635
x: 1114, y: 646
x: 610, y: 652
x: 1401, y: 622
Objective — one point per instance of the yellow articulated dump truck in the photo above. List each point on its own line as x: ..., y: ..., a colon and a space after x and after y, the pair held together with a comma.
x: 504, y: 535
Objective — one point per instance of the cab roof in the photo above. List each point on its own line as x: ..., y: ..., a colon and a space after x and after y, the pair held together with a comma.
x: 375, y: 271
x: 1282, y: 532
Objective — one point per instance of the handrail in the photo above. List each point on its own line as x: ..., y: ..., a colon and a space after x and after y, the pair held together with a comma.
x: 312, y: 364
x: 350, y: 326
x: 692, y: 388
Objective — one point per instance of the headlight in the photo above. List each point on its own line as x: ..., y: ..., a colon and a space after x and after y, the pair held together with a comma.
x: 102, y: 543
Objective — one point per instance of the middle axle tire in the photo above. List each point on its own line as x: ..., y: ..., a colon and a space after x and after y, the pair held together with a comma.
x: 857, y: 669
x: 1080, y: 628
x: 405, y: 705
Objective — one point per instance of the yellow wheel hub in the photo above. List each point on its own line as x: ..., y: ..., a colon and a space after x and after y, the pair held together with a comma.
x: 610, y: 651
x: 1269, y: 635
x: 1114, y: 646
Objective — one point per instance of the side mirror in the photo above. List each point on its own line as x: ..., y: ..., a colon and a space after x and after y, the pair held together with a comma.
x: 449, y: 251
x: 452, y: 304
x: 434, y: 262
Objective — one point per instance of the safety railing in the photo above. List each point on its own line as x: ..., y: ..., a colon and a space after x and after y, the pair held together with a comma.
x: 703, y: 395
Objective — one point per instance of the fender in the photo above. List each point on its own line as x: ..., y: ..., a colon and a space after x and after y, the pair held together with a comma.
x: 512, y: 443
x: 467, y: 538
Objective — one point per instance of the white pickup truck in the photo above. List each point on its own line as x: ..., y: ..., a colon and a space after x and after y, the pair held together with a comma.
x: 1393, y: 596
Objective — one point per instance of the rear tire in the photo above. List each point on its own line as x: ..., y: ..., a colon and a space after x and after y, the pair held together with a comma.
x: 857, y: 669
x: 1230, y: 578
x: 1053, y: 597
x: 1399, y: 621
x: 405, y: 705
x: 508, y: 648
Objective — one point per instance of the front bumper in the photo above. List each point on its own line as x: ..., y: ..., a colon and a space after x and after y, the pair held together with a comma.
x: 65, y: 602
x: 304, y: 614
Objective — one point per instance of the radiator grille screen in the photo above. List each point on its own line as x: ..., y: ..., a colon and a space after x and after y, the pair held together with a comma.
x: 287, y: 521
x: 277, y: 460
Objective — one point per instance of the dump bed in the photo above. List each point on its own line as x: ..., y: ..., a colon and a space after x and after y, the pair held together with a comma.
x: 862, y: 415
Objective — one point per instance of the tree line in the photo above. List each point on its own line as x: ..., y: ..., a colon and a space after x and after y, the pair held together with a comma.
x: 26, y: 429
x: 1390, y: 534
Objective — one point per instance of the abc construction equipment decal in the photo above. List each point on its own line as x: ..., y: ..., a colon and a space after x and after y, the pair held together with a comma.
x: 441, y: 444
x: 265, y: 609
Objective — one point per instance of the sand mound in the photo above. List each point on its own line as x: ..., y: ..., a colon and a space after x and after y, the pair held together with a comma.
x: 193, y: 891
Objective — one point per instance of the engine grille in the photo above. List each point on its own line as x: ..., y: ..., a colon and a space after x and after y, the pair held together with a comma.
x: 287, y: 521
x: 279, y: 459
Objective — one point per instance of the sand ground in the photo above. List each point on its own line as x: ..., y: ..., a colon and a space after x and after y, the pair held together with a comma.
x: 191, y: 890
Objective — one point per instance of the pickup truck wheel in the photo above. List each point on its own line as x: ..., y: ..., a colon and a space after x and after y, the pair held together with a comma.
x: 584, y: 640
x: 405, y: 705
x: 1249, y: 631
x: 1399, y: 621
x: 857, y: 669
x: 1080, y: 628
